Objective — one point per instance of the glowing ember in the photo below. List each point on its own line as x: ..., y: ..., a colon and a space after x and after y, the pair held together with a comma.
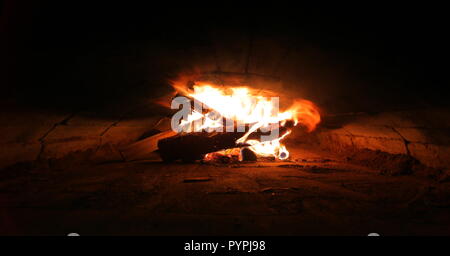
x: 248, y: 111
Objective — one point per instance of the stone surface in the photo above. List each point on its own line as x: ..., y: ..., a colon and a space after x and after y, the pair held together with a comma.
x: 424, y: 136
x: 320, y: 194
x: 31, y: 134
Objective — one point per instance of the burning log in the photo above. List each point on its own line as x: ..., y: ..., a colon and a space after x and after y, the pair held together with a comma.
x: 194, y: 145
x: 224, y: 105
x: 248, y: 155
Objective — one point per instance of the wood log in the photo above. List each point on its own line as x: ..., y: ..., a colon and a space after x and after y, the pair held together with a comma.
x: 144, y: 149
x: 193, y: 146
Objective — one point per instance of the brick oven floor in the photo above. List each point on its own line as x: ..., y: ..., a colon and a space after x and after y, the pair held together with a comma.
x: 317, y: 194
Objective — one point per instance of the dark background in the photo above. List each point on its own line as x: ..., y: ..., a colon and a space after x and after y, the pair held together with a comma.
x: 372, y: 58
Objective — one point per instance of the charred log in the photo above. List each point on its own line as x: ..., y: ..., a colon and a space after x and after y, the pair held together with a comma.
x: 248, y: 155
x: 193, y: 146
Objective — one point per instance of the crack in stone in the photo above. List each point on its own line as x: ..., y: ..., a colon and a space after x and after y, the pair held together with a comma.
x: 114, y: 124
x: 121, y: 118
x: 111, y: 126
x: 100, y: 142
x: 369, y: 137
x: 41, y: 140
x: 62, y: 122
x: 405, y: 141
x: 282, y: 59
x: 351, y: 137
x: 65, y: 121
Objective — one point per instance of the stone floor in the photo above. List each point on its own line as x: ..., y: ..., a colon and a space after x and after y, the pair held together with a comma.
x: 313, y: 194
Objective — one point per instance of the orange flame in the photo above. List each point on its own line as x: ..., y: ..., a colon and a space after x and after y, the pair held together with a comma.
x: 246, y: 106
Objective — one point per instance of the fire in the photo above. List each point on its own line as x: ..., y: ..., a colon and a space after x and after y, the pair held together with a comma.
x: 250, y: 111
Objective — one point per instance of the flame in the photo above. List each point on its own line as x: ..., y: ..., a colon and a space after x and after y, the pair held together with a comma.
x: 247, y: 107
x: 270, y: 148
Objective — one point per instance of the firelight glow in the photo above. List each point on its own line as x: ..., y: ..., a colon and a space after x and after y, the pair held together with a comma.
x: 243, y: 105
